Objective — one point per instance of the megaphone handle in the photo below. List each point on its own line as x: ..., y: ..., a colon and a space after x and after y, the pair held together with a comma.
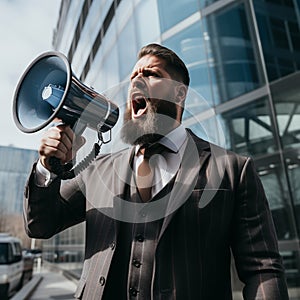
x: 66, y: 172
x: 57, y: 168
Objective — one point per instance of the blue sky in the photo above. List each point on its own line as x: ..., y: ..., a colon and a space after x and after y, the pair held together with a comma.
x: 26, y: 31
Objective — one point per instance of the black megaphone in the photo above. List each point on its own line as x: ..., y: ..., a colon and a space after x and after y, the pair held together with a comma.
x: 48, y: 89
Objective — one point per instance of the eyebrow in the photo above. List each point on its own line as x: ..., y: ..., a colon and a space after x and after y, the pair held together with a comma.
x: 146, y: 69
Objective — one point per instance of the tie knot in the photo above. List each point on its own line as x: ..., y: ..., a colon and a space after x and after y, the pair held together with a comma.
x: 152, y: 149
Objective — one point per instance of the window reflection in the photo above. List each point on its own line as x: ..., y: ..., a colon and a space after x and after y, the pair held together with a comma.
x: 189, y: 45
x: 249, y: 128
x: 204, y: 3
x: 291, y: 265
x: 285, y: 94
x: 148, y: 31
x: 288, y: 119
x: 292, y: 159
x: 172, y: 13
x: 209, y: 130
x: 280, y: 36
x: 232, y: 53
x: 66, y: 247
x: 276, y: 187
x: 127, y: 42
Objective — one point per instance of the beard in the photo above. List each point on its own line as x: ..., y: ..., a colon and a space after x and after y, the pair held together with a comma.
x: 155, y: 124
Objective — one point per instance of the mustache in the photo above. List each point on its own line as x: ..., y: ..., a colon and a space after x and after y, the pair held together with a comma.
x: 139, y: 91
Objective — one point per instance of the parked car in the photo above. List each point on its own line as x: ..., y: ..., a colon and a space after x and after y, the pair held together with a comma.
x: 28, y: 265
x: 11, y: 265
x: 37, y: 253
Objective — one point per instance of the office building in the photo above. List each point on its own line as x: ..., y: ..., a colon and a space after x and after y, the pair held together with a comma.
x: 15, y: 165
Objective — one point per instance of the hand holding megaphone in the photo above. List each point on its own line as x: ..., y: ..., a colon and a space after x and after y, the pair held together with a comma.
x: 61, y: 142
x: 49, y: 90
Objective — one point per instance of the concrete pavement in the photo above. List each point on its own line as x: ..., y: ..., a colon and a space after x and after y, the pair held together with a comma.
x: 54, y: 285
x: 47, y: 284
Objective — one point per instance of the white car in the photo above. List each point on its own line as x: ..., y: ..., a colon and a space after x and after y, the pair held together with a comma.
x: 11, y: 265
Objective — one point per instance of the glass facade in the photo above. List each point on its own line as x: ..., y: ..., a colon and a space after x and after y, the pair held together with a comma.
x: 243, y: 57
x: 15, y: 165
x: 278, y: 23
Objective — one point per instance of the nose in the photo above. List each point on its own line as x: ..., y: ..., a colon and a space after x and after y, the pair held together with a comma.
x: 139, y: 81
x: 140, y: 71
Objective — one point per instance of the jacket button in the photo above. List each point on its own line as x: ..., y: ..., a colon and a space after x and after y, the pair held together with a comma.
x: 139, y: 238
x: 112, y: 245
x: 136, y: 263
x: 133, y: 292
x: 102, y: 280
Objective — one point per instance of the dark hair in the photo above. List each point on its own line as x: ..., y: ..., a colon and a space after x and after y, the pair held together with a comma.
x: 174, y: 65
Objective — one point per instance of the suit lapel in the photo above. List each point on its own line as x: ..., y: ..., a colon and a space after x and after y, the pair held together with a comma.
x: 122, y: 170
x: 122, y: 174
x: 115, y: 174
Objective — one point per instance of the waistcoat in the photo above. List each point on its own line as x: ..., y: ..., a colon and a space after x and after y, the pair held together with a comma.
x: 131, y: 271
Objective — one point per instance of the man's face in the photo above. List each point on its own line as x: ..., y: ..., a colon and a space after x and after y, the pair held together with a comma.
x: 151, y: 111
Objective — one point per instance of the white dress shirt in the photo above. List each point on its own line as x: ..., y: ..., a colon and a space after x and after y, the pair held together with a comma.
x: 166, y: 164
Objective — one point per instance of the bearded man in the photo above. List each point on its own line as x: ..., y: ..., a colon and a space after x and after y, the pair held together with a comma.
x: 163, y: 216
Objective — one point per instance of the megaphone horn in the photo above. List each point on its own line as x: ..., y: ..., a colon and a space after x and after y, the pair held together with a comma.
x: 48, y: 89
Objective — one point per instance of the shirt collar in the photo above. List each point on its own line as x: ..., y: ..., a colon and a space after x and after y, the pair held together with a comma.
x: 173, y: 140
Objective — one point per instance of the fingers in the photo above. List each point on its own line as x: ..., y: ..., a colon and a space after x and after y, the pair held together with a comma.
x: 60, y: 142
x: 78, y: 142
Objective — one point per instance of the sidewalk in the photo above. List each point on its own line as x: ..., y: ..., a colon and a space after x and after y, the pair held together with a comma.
x: 49, y: 285
x: 54, y: 285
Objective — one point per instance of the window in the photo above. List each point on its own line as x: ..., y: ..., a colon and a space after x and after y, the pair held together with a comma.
x: 249, y: 128
x: 172, y: 12
x: 127, y: 49
x: 232, y: 52
x: 3, y: 253
x: 285, y: 94
x: 189, y: 44
x: 279, y: 31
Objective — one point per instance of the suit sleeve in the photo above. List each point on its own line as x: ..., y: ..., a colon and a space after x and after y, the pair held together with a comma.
x: 46, y: 212
x: 255, y: 246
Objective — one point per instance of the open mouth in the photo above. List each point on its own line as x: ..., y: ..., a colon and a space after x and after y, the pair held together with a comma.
x: 139, y: 106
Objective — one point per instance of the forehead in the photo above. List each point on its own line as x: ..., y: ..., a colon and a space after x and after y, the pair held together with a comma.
x: 150, y: 61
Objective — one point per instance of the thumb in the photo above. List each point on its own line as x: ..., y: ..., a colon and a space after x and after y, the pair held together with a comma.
x: 79, y: 142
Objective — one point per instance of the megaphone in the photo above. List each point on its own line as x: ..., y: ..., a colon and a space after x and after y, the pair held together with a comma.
x: 49, y: 90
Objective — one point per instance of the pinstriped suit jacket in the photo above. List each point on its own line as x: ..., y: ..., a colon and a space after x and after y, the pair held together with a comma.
x: 217, y: 206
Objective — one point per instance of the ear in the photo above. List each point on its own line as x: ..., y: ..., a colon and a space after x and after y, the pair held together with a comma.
x: 181, y: 93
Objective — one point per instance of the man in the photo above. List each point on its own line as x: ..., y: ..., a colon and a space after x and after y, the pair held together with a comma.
x: 172, y: 240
